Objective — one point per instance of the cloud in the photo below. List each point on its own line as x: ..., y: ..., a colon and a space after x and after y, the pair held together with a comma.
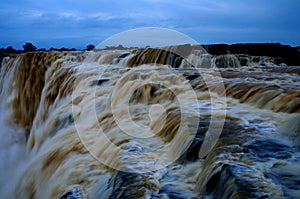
x: 32, y: 14
x: 155, y: 37
x: 51, y: 21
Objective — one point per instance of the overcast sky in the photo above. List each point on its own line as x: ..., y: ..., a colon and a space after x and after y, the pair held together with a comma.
x: 77, y: 23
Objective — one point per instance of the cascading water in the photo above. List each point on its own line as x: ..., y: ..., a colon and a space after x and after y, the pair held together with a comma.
x: 126, y: 124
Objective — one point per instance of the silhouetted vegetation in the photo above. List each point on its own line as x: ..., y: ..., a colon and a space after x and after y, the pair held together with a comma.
x: 10, y: 49
x: 42, y: 49
x: 62, y: 49
x: 90, y: 47
x: 119, y: 47
x: 29, y: 47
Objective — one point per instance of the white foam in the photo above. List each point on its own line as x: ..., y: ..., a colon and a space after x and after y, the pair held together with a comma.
x: 13, y: 152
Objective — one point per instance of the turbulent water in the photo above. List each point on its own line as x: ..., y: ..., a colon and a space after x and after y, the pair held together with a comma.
x: 148, y: 123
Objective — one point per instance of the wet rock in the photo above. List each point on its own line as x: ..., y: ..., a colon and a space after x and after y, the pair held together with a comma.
x: 262, y: 150
x: 283, y: 65
x: 74, y: 193
x: 226, y: 183
x: 99, y: 82
x: 231, y: 129
x: 191, y: 77
x: 261, y: 63
x: 239, y: 181
x: 243, y: 60
x: 287, y: 176
x: 171, y: 192
x: 124, y: 55
x: 63, y: 121
x: 132, y: 185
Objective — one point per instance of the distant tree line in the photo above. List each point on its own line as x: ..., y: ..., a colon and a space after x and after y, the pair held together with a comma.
x: 29, y: 47
x: 291, y: 55
x: 120, y: 47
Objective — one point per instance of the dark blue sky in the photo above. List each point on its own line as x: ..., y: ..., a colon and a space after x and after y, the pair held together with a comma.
x: 76, y: 23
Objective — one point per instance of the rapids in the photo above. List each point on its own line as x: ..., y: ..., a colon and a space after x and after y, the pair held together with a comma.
x: 148, y: 123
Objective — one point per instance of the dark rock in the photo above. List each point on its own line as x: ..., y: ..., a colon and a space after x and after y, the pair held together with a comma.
x: 74, y: 193
x: 192, y: 76
x: 131, y: 185
x: 172, y: 193
x: 262, y: 150
x: 124, y: 55
x: 287, y: 176
x: 99, y: 82
x: 243, y: 60
x: 284, y: 53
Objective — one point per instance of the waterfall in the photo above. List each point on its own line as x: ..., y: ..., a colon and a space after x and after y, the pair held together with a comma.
x: 147, y: 123
x: 226, y: 61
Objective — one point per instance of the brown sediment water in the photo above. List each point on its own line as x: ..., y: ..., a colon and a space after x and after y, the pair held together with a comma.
x: 131, y: 124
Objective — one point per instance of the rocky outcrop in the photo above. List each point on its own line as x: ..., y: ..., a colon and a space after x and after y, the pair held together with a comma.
x: 289, y: 55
